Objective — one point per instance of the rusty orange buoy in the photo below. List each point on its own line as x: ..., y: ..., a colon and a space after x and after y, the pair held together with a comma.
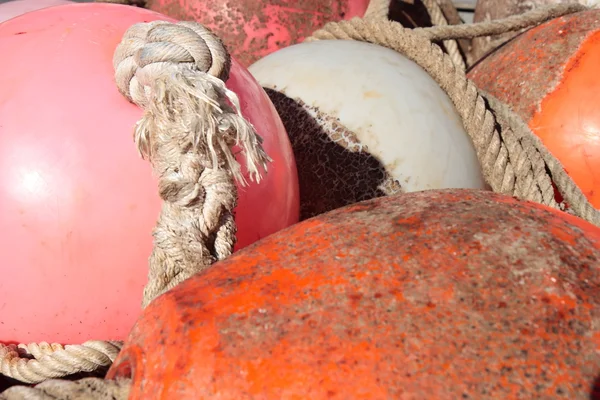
x: 549, y: 76
x: 251, y: 29
x: 438, y: 294
x: 487, y: 10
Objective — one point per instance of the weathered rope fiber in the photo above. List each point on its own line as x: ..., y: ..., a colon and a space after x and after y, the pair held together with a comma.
x: 191, y: 122
x: 176, y: 73
x: 83, y: 389
x: 496, y: 27
x: 35, y: 363
x: 439, y: 19
x: 507, y: 151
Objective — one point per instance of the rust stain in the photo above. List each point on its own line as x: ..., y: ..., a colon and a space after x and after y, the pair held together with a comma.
x: 372, y: 94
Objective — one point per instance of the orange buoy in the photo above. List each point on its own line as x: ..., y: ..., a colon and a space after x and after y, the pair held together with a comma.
x: 15, y: 8
x: 548, y: 75
x: 254, y: 28
x: 77, y: 203
x: 487, y: 10
x: 438, y: 294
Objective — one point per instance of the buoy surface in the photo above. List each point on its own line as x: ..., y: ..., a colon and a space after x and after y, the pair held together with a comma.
x: 77, y: 203
x: 254, y: 28
x: 439, y: 294
x: 548, y: 75
x: 14, y: 8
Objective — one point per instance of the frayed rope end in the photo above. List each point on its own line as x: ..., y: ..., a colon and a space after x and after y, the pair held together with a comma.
x: 198, y: 110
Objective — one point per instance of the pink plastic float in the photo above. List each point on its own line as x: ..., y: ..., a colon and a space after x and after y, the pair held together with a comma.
x: 14, y: 8
x: 77, y: 203
x: 254, y: 28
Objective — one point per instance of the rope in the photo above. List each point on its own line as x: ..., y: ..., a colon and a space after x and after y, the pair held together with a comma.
x: 496, y: 27
x: 452, y: 16
x: 176, y: 73
x: 512, y: 160
x: 83, y: 389
x: 439, y: 19
x: 378, y: 9
x: 35, y: 363
x: 191, y: 121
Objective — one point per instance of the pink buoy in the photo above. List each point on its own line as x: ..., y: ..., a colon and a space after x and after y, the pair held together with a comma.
x: 252, y: 29
x: 15, y: 8
x: 77, y: 203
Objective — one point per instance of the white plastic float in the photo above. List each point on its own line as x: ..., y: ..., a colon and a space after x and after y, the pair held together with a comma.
x: 397, y: 112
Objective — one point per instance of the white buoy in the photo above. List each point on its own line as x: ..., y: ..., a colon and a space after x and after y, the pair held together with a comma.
x: 365, y: 121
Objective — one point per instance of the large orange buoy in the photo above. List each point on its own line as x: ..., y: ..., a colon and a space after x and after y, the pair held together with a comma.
x: 548, y: 75
x: 77, y: 203
x: 438, y: 294
x: 14, y: 8
x: 254, y: 28
x: 487, y: 10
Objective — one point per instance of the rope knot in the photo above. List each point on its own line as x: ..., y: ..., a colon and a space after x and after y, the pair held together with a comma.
x: 176, y: 73
x: 155, y: 45
x: 191, y: 130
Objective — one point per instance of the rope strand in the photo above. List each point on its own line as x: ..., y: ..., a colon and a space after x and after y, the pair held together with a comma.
x: 191, y: 123
x: 35, y: 363
x: 500, y: 26
x: 83, y: 389
x: 176, y: 73
x: 512, y: 161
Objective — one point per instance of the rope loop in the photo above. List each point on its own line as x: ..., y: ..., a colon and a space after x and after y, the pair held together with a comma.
x: 512, y: 158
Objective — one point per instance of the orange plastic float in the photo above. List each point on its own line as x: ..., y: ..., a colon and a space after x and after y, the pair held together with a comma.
x: 439, y: 294
x: 549, y: 75
x: 77, y: 203
x: 14, y: 8
x: 254, y: 28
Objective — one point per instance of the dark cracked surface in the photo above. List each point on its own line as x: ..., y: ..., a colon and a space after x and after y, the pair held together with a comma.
x: 334, y: 168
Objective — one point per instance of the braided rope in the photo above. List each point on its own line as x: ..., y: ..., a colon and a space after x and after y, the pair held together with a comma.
x: 176, y: 73
x: 34, y: 363
x: 513, y: 162
x: 497, y: 27
x: 439, y: 19
x: 378, y: 9
x: 83, y: 389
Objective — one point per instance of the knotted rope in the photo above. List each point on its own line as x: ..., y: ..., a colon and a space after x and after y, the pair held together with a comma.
x: 191, y: 123
x: 176, y: 73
